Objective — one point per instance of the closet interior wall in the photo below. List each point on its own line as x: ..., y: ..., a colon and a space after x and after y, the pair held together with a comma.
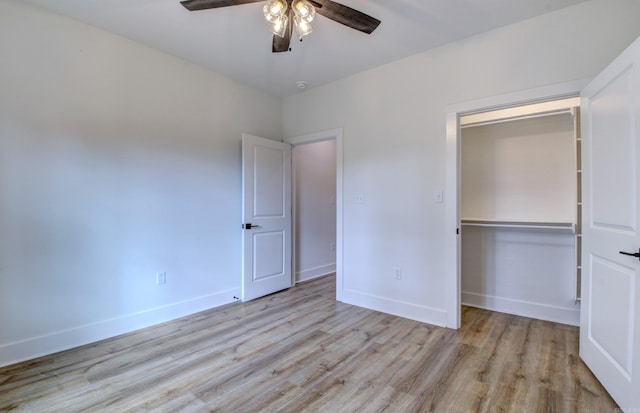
x: 520, y: 216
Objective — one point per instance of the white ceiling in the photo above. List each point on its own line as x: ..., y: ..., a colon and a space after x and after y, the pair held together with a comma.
x: 235, y: 42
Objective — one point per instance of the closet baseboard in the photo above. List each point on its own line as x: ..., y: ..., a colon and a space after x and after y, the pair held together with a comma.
x: 570, y: 316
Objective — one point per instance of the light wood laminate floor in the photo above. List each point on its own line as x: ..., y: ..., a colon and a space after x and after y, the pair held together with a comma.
x: 301, y: 351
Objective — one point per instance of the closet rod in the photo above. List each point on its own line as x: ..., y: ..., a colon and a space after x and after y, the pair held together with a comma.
x: 568, y: 111
x: 565, y: 226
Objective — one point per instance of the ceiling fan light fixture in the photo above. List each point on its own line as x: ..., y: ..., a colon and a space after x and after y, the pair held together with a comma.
x: 283, y: 14
x: 274, y: 10
x: 303, y: 27
x: 304, y: 10
x: 279, y: 26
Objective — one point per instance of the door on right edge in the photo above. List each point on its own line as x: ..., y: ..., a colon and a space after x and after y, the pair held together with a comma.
x: 610, y: 314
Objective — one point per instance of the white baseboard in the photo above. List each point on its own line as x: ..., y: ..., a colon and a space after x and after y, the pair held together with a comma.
x: 311, y: 273
x: 31, y: 348
x: 546, y: 312
x: 400, y: 308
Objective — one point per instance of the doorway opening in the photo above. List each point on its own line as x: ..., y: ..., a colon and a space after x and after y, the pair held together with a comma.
x: 317, y: 205
x: 314, y: 206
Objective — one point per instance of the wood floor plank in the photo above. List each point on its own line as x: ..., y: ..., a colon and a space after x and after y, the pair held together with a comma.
x: 301, y: 351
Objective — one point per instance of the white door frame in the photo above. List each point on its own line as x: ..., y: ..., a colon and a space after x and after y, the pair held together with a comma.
x: 332, y: 134
x: 452, y: 187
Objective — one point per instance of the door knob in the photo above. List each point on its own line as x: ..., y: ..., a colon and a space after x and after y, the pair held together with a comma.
x: 250, y: 226
x: 633, y: 254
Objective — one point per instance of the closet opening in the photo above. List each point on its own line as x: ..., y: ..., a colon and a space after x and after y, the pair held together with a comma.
x: 520, y: 210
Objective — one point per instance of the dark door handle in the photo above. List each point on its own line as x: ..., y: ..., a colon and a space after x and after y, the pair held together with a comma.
x: 633, y: 254
x: 249, y: 226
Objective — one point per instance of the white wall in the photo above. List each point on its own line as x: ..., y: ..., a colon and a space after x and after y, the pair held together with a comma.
x: 116, y: 162
x: 314, y: 169
x: 394, y: 140
x: 525, y: 272
x: 519, y: 171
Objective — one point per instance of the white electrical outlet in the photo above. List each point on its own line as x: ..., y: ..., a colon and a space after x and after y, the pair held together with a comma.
x: 161, y: 277
x: 397, y: 273
x: 437, y: 197
x: 359, y: 199
x: 332, y: 246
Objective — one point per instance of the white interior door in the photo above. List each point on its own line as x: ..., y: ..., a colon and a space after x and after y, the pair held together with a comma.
x: 266, y: 212
x: 610, y: 314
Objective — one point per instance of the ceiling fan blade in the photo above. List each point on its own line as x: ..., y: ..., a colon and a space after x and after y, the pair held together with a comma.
x: 347, y: 16
x: 193, y: 5
x: 281, y: 44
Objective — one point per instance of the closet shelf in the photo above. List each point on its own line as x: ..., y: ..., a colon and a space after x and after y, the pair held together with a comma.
x: 564, y: 226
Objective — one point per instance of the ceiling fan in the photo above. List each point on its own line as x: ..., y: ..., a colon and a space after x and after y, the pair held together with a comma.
x: 283, y: 15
